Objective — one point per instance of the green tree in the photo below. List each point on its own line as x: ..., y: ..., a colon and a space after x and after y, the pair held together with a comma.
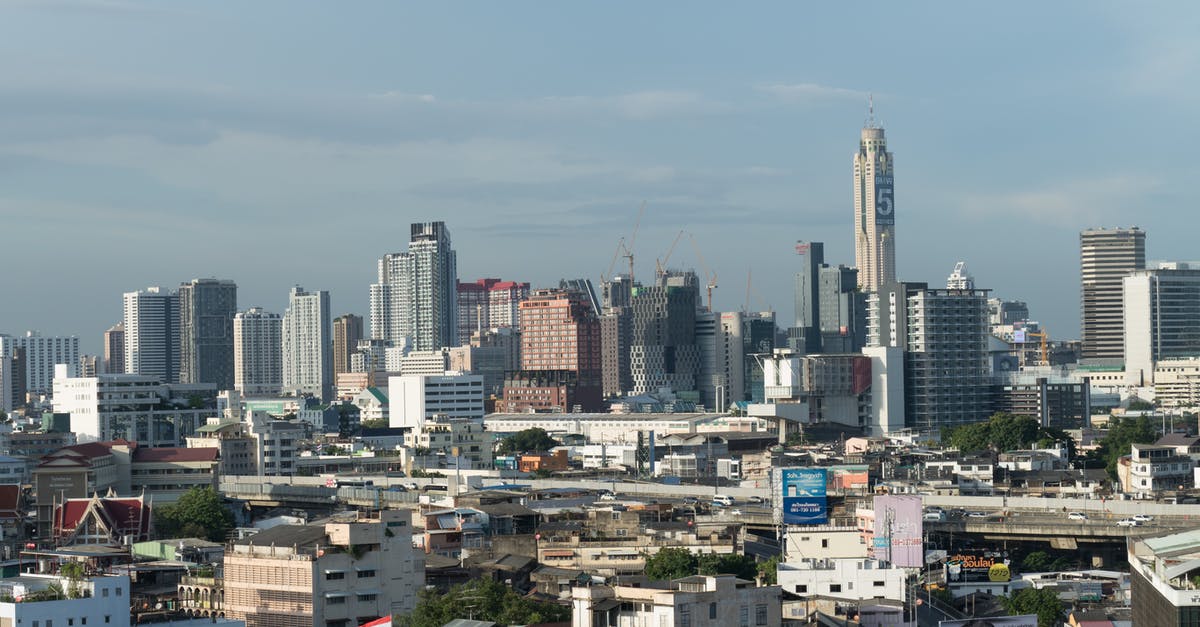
x: 769, y: 570
x: 671, y: 562
x: 377, y: 423
x: 1036, y: 562
x: 743, y: 566
x: 1043, y: 602
x: 200, y: 512
x: 1122, y: 433
x: 527, y: 441
x: 1001, y: 432
x: 481, y: 599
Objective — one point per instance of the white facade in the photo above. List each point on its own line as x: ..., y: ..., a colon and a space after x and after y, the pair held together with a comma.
x: 41, y: 355
x: 151, y: 320
x: 606, y: 455
x: 1161, y: 318
x: 415, y: 298
x: 127, y: 406
x: 257, y: 352
x: 423, y: 362
x: 847, y: 579
x: 823, y: 542
x: 414, y: 398
x: 105, y: 601
x: 874, y: 215
x: 887, y: 389
x: 720, y: 601
x: 308, y: 344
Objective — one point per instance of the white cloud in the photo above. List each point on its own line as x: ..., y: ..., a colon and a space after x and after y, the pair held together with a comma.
x: 1069, y: 203
x: 405, y: 97
x: 811, y: 92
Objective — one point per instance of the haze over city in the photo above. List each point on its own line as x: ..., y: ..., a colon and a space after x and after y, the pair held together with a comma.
x: 282, y: 143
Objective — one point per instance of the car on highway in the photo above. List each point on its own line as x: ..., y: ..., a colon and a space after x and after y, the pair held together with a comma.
x: 1127, y: 522
x: 690, y: 500
x: 755, y: 499
x: 1143, y: 518
x: 977, y: 515
x: 607, y: 497
x: 723, y: 500
x: 411, y: 485
x: 735, y: 512
x: 1080, y: 516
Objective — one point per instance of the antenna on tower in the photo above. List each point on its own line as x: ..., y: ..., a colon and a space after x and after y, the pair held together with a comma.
x: 871, y: 110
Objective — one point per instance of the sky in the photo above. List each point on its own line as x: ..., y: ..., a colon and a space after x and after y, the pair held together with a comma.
x: 292, y: 143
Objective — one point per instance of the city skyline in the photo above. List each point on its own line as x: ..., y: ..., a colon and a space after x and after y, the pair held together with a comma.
x: 172, y: 166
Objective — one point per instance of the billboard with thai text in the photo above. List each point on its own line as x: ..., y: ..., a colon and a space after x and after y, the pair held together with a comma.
x: 804, y: 496
x: 898, y: 530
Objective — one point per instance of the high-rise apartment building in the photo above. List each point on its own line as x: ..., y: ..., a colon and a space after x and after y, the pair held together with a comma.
x: 114, y: 349
x: 943, y: 335
x: 489, y: 304
x: 414, y: 303
x: 206, y: 310
x: 843, y: 310
x: 1106, y: 257
x: 257, y: 352
x: 959, y: 278
x: 308, y: 344
x: 874, y: 209
x: 808, y: 296
x: 721, y: 380
x: 151, y: 321
x: 347, y: 331
x: 1162, y: 318
x: 560, y: 333
x: 662, y: 336
x: 41, y: 354
x: 758, y: 338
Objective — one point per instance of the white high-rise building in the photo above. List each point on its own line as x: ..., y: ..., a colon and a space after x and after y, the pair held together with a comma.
x: 1162, y: 318
x: 257, y: 352
x: 414, y: 398
x: 874, y: 209
x: 722, y: 372
x: 415, y: 301
x: 151, y: 321
x: 960, y: 279
x: 1106, y: 257
x: 308, y: 344
x: 38, y: 355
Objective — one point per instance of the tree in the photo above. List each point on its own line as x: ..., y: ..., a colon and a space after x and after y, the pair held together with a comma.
x: 671, y: 562
x: 1001, y: 432
x: 1122, y: 433
x: 527, y: 441
x: 483, y: 600
x: 376, y: 423
x: 743, y: 566
x: 1035, y: 562
x: 200, y: 512
x: 1043, y: 602
x: 769, y: 570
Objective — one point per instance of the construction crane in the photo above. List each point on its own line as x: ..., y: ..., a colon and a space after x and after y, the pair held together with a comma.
x: 613, y: 264
x: 633, y: 241
x: 710, y: 277
x: 660, y: 266
x: 1043, y: 353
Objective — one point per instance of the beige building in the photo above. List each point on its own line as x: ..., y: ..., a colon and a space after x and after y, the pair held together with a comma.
x: 720, y: 601
x: 336, y: 574
x: 237, y: 449
x: 463, y: 438
x: 570, y: 545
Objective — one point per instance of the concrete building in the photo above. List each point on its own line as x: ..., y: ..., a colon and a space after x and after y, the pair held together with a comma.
x: 807, y: 337
x: 561, y: 361
x: 455, y: 442
x: 308, y: 345
x: 415, y: 398
x: 943, y: 334
x: 236, y: 448
x: 114, y: 349
x: 1054, y: 401
x: 874, y: 209
x: 1161, y: 318
x: 697, y: 601
x: 663, y: 353
x: 488, y: 362
x: 88, y: 366
x: 843, y: 310
x: 1106, y: 256
x: 850, y: 579
x: 758, y: 338
x: 151, y: 321
x: 414, y: 302
x: 133, y: 407
x: 40, y: 354
x: 323, y: 575
x: 488, y: 304
x: 1153, y: 468
x: 959, y: 278
x: 370, y: 356
x: 432, y: 363
x: 721, y: 381
x: 1162, y: 575
x: 165, y: 474
x: 1006, y: 312
x: 837, y: 389
x: 347, y: 331
x: 257, y: 352
x: 206, y: 310
x: 97, y: 600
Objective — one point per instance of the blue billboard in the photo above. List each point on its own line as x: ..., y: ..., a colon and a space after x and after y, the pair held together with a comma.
x: 804, y: 493
x: 885, y: 210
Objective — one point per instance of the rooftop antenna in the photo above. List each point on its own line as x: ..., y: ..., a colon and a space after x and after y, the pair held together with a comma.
x: 871, y: 111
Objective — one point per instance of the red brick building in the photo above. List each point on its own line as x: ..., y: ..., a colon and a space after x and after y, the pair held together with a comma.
x: 560, y: 355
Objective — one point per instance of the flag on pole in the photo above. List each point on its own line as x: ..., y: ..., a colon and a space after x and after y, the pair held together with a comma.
x: 386, y: 621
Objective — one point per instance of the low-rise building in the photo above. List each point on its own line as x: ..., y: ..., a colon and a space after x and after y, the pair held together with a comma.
x: 571, y: 545
x: 165, y: 474
x: 1163, y: 575
x: 35, y: 600
x: 237, y: 450
x: 335, y: 574
x: 699, y: 601
x: 1151, y: 468
x: 847, y: 579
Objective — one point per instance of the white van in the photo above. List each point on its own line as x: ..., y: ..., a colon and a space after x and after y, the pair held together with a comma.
x: 936, y: 516
x: 723, y: 500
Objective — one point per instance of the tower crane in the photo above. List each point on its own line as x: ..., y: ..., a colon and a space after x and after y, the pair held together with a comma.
x: 633, y: 241
x: 710, y: 277
x: 660, y: 266
x: 1043, y: 353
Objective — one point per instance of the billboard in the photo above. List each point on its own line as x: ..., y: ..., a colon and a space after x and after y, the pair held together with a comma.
x: 804, y: 501
x: 884, y: 201
x: 977, y: 566
x: 1024, y: 620
x: 898, y: 530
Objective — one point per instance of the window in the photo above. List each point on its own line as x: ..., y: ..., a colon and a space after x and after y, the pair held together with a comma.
x: 363, y: 574
x: 877, y: 584
x: 120, y: 592
x: 835, y: 587
x: 685, y: 616
x: 338, y: 600
x: 801, y: 589
x: 366, y: 597
x: 744, y: 616
x: 824, y: 543
x: 105, y: 593
x: 334, y: 575
x: 712, y: 611
x: 760, y: 614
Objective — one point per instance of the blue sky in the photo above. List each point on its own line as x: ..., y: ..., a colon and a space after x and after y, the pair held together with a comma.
x: 281, y: 143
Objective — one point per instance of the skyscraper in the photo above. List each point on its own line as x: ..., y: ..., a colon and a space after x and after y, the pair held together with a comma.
x: 414, y: 303
x: 206, y: 310
x: 721, y: 380
x: 30, y: 361
x: 257, y: 352
x: 808, y: 296
x: 307, y: 345
x: 1106, y: 257
x: 151, y: 321
x: 114, y: 349
x: 662, y: 337
x: 347, y: 331
x: 874, y: 209
x: 560, y: 354
x: 1162, y: 318
x: 488, y: 304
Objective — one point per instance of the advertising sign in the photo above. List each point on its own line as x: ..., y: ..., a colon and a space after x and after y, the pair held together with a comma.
x: 977, y: 566
x: 804, y: 496
x: 899, y: 530
x: 884, y: 201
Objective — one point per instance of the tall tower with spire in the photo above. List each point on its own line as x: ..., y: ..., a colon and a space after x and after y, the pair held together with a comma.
x: 874, y: 208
